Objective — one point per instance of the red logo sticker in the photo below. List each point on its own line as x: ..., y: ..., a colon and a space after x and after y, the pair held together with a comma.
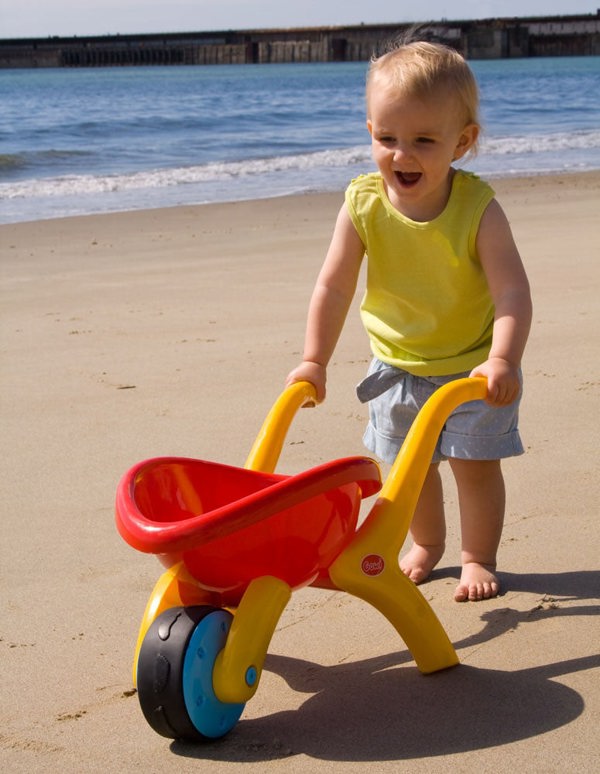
x: 372, y: 564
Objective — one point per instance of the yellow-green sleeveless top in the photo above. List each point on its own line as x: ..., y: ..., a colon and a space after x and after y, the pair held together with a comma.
x: 427, y: 308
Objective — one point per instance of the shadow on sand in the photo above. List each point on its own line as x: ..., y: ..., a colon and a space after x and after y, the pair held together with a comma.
x: 381, y: 709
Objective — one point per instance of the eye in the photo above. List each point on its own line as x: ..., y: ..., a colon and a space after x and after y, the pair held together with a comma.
x: 425, y: 140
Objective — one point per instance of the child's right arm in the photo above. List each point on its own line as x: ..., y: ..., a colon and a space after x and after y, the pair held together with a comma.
x: 329, y: 304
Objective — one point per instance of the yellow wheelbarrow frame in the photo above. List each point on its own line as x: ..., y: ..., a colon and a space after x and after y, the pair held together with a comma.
x: 367, y: 567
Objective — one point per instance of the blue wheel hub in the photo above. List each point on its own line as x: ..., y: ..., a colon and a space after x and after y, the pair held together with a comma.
x: 212, y: 717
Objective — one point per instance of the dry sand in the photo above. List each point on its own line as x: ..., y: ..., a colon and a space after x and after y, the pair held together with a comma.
x: 170, y: 332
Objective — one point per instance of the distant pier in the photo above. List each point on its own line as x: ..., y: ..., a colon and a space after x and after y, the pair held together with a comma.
x: 483, y: 39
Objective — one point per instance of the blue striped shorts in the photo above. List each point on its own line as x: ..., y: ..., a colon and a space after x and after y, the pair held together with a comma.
x: 474, y: 431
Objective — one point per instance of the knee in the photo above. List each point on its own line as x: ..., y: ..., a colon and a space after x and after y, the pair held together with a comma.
x: 476, y: 471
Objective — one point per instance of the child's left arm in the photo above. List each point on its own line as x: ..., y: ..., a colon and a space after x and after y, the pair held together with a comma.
x: 509, y: 288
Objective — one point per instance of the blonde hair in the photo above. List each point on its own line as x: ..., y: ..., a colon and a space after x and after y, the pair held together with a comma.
x: 422, y: 69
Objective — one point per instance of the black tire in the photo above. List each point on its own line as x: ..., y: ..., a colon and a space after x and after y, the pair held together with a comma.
x: 165, y: 684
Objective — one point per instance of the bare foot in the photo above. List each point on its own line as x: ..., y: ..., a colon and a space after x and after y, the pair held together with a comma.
x: 420, y: 561
x: 477, y: 581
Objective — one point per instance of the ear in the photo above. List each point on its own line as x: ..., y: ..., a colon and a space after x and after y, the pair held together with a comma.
x: 466, y: 141
x: 370, y: 126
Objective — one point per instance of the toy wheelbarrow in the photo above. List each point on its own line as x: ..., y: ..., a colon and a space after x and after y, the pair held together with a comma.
x: 237, y: 541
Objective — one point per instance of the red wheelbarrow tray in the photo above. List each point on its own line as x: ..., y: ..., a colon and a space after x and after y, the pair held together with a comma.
x: 230, y: 525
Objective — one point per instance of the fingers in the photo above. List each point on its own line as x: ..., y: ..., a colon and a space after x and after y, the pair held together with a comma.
x: 319, y: 390
x: 503, y: 384
x: 502, y: 393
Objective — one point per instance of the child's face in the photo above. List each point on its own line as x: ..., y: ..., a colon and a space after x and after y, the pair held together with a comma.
x: 414, y: 142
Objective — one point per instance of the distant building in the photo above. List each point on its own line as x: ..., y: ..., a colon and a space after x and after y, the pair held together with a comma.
x: 484, y: 39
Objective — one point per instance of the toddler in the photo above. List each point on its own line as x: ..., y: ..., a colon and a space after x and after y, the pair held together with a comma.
x: 446, y: 296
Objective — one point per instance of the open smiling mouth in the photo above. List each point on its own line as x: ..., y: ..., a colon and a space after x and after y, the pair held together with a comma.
x: 408, y: 179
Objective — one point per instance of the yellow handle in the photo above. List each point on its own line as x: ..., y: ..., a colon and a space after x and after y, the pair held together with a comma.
x: 407, y: 475
x: 269, y: 441
x: 368, y: 567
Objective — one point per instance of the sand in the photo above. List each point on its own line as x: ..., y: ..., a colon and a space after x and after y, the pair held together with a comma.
x: 140, y: 334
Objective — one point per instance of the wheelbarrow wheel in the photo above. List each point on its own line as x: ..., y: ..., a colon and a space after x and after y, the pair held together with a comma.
x: 174, y: 674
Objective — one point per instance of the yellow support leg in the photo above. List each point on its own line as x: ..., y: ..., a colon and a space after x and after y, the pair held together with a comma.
x: 399, y: 600
x: 238, y: 667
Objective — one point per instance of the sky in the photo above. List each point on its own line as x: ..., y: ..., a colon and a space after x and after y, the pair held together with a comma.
x: 44, y: 18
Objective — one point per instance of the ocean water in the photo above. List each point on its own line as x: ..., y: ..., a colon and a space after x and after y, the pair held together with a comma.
x: 102, y: 140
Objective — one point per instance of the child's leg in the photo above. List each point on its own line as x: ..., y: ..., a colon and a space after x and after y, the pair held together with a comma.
x: 427, y: 529
x: 481, y: 499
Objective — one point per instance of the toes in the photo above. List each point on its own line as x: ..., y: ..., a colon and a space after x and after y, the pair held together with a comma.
x: 416, y: 574
x: 472, y: 592
x: 486, y: 590
x: 476, y: 591
x: 461, y: 594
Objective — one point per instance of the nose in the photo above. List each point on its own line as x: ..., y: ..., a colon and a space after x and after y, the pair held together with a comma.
x: 401, y: 152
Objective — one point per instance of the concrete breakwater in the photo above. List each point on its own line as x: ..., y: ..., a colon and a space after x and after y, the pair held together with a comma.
x: 483, y: 39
